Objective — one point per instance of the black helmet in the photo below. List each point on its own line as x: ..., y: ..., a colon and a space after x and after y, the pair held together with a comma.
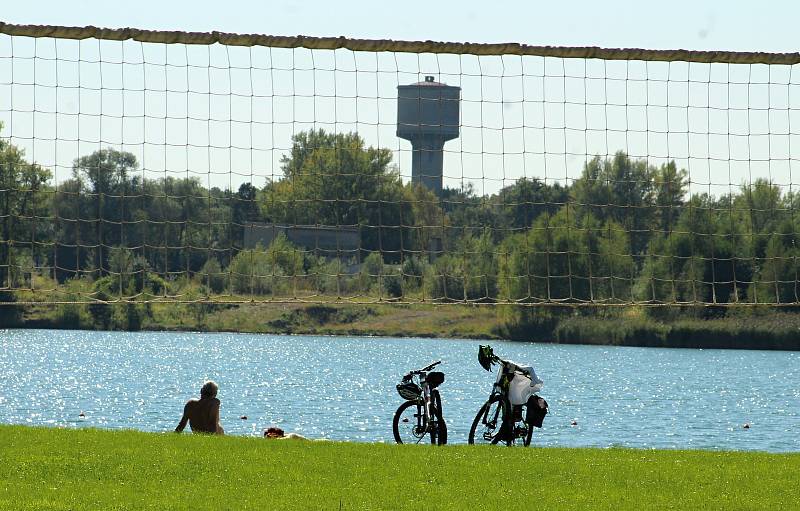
x: 434, y: 379
x: 486, y: 357
x: 409, y: 390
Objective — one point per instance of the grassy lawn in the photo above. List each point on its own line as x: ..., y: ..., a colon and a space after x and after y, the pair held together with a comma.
x: 42, y: 468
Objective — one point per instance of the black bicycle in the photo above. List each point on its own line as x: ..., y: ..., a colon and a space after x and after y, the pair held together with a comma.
x: 513, y: 409
x: 421, y: 414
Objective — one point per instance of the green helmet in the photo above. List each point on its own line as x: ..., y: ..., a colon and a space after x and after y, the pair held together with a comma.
x: 486, y: 357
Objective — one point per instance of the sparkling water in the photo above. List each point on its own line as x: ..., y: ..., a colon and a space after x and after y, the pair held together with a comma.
x: 343, y: 388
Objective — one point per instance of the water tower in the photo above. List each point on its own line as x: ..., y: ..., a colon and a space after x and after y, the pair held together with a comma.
x: 427, y: 116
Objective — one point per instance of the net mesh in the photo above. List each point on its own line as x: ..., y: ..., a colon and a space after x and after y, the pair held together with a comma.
x: 225, y: 168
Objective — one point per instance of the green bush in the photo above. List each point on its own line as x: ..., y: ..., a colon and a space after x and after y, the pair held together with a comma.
x: 413, y: 269
x: 371, y: 271
x: 212, y: 277
x: 253, y: 272
x: 334, y: 278
x: 286, y: 256
x: 444, y: 279
x: 393, y: 285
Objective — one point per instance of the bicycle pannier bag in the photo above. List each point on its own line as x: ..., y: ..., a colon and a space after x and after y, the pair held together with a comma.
x: 435, y: 379
x: 537, y: 409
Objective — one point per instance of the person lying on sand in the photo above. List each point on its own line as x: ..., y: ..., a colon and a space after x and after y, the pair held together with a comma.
x: 203, y: 415
x: 278, y: 434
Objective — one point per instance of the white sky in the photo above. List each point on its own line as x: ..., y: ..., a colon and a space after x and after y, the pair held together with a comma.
x: 226, y: 114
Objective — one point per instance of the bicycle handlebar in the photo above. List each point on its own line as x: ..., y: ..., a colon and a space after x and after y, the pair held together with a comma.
x: 426, y: 368
x: 514, y: 366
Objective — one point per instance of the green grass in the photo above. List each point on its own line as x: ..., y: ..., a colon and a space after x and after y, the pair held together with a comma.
x: 43, y: 468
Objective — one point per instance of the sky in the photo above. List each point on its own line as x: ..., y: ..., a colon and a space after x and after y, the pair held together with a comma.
x: 227, y: 114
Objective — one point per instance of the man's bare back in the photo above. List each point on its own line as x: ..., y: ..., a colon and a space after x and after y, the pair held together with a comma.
x: 202, y: 414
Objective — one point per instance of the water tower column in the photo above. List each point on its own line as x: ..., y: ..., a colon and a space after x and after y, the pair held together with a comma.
x: 427, y: 162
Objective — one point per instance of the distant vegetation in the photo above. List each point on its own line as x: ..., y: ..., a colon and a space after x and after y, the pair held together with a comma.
x: 624, y: 231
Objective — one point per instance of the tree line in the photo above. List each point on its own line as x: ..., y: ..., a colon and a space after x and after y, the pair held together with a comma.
x: 624, y: 231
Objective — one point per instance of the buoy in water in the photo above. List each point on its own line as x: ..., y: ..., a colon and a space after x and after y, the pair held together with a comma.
x: 746, y: 425
x: 81, y: 414
x: 243, y: 417
x: 573, y: 423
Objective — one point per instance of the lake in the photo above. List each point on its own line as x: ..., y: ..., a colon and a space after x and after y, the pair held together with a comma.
x: 342, y: 388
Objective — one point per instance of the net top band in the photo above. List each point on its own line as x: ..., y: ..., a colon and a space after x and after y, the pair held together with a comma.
x: 387, y: 45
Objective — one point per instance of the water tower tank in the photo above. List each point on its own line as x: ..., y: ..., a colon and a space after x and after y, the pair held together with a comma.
x: 427, y: 116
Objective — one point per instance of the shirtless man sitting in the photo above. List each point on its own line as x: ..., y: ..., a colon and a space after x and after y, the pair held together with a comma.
x: 203, y: 415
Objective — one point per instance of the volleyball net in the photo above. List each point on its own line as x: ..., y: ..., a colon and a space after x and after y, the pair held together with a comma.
x: 144, y: 166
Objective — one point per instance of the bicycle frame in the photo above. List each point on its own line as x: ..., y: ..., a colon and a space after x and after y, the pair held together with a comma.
x: 500, y: 387
x: 499, y: 419
x: 505, y: 373
x: 427, y: 421
x: 426, y: 399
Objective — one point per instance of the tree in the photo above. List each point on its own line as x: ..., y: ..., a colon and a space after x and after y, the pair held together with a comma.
x: 212, y: 277
x: 521, y: 204
x: 244, y: 210
x: 621, y: 190
x: 670, y: 186
x: 777, y: 279
x: 70, y: 253
x: 445, y: 279
x: 285, y: 255
x: 253, y: 272
x: 480, y: 266
x: 105, y: 175
x: 105, y: 170
x: 22, y: 201
x: 567, y: 257
x: 335, y: 180
x: 424, y: 223
x: 707, y: 258
x: 762, y: 201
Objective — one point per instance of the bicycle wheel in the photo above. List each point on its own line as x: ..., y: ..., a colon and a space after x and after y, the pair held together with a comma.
x: 491, y: 423
x: 526, y: 439
x: 438, y: 428
x: 409, y: 425
x: 440, y: 424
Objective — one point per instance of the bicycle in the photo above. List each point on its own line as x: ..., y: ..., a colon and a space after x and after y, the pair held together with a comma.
x: 513, y: 408
x: 421, y: 413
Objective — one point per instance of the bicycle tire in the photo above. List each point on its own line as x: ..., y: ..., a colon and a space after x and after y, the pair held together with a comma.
x: 502, y: 415
x: 526, y: 440
x: 439, y: 432
x: 441, y: 425
x: 396, y: 421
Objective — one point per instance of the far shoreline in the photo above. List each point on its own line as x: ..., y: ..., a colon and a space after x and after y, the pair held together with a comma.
x: 760, y: 331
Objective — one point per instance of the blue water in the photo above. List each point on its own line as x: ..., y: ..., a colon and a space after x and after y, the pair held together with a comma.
x: 343, y: 388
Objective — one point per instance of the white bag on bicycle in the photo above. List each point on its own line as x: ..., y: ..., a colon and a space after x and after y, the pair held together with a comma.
x: 521, y: 387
